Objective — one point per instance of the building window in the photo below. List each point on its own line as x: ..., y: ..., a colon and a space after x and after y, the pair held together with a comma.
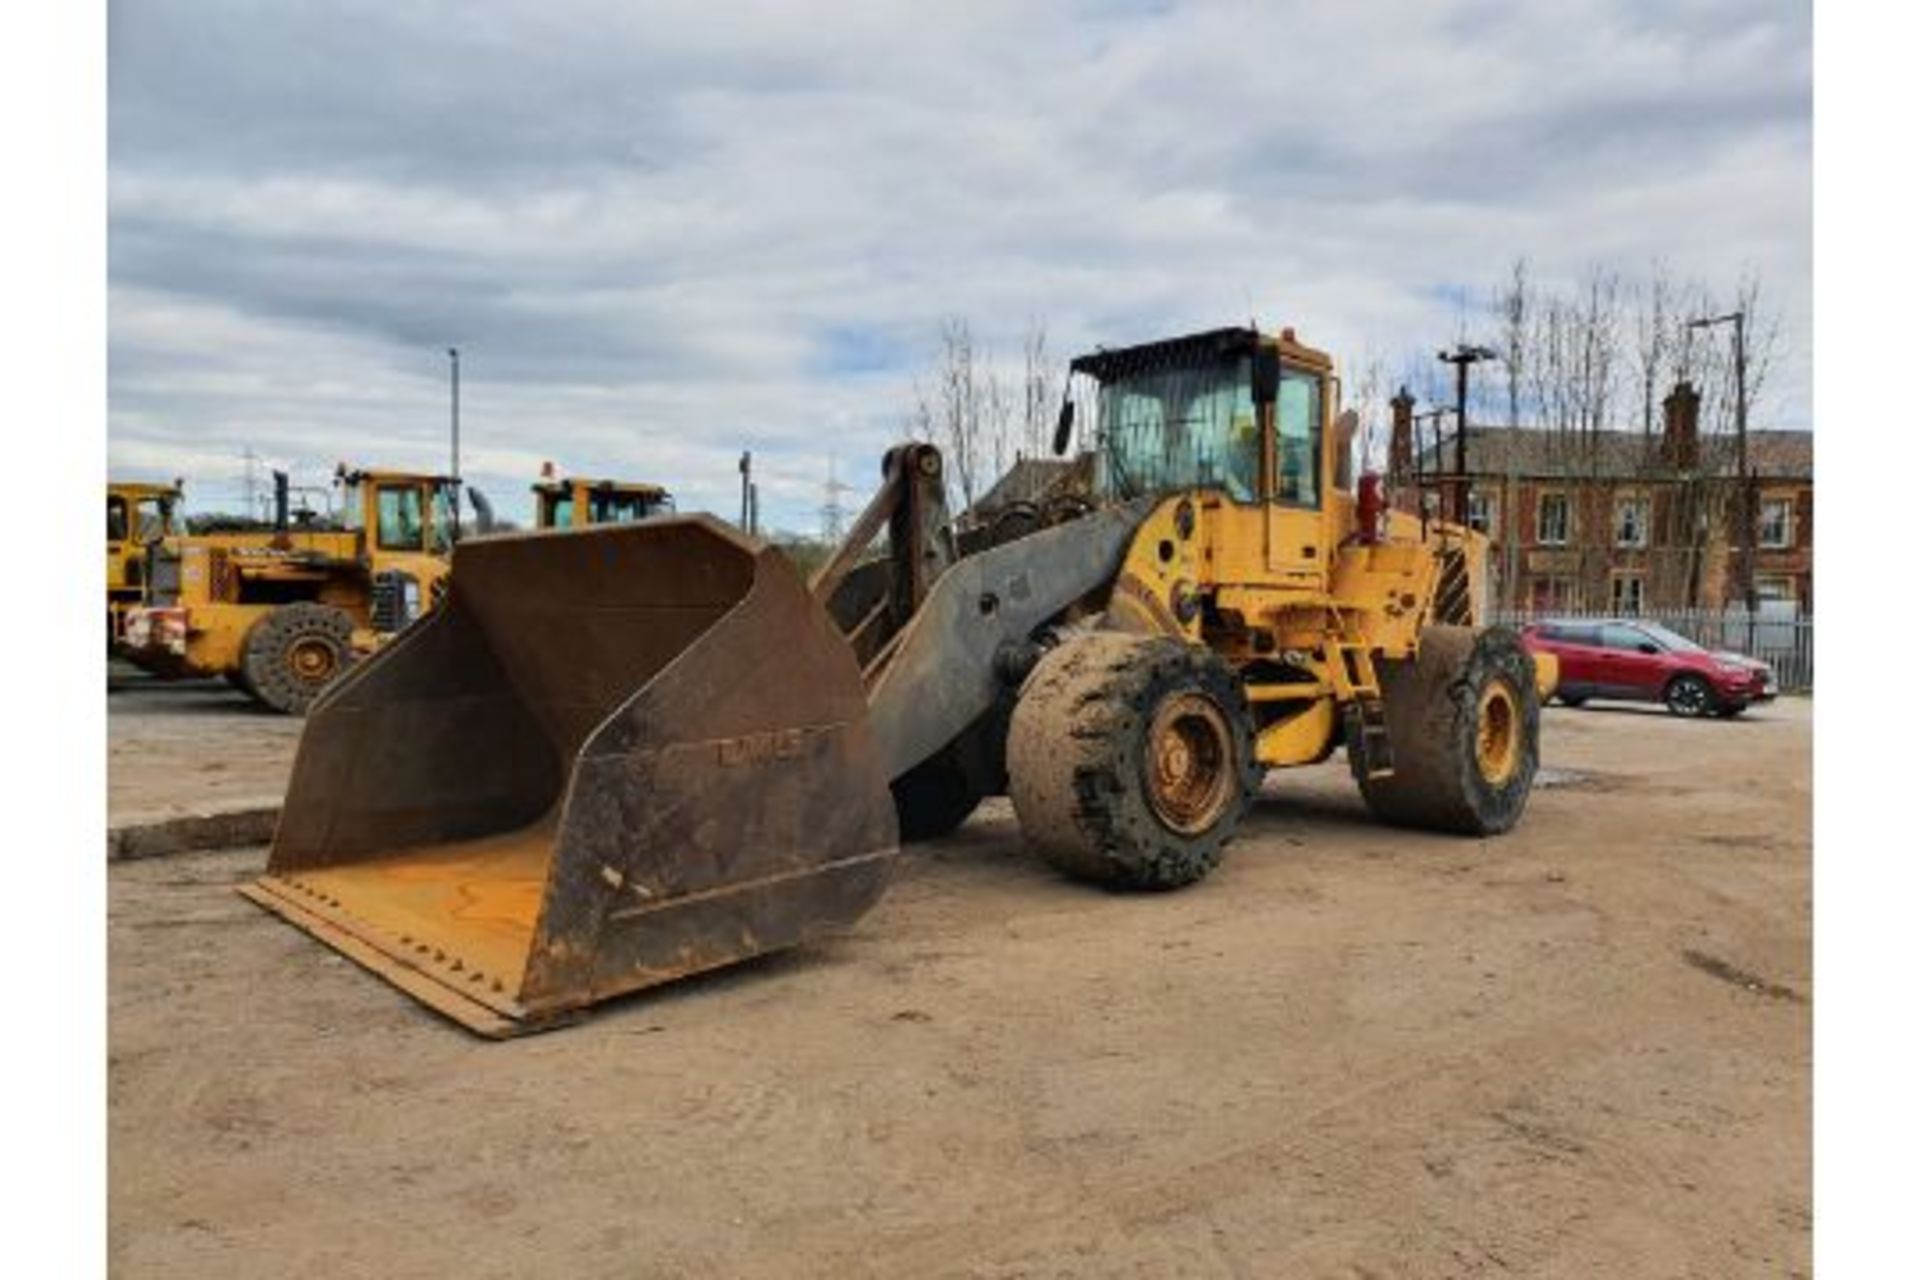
x: 1551, y: 594
x: 1553, y: 520
x: 1774, y: 586
x: 1483, y: 512
x: 1629, y: 592
x: 1776, y: 523
x: 1630, y: 522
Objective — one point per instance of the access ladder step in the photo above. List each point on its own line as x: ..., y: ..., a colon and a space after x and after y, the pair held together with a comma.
x: 1369, y: 750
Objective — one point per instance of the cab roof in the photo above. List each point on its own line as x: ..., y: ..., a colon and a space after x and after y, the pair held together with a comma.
x: 1194, y: 350
x: 561, y: 483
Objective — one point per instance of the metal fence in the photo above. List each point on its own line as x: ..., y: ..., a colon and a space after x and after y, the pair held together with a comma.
x: 1778, y: 636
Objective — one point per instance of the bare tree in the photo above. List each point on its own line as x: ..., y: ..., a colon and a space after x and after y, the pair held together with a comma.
x: 965, y: 407
x: 1653, y: 341
x: 1037, y: 387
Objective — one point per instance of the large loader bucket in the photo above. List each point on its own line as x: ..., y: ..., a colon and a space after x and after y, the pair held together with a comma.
x: 614, y: 757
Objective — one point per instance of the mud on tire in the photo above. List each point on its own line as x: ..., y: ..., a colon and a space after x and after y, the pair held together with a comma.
x: 1130, y: 760
x: 1463, y: 717
x: 293, y: 653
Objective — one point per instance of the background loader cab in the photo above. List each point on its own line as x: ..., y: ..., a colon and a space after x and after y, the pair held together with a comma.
x: 281, y: 613
x: 573, y: 502
x: 137, y: 514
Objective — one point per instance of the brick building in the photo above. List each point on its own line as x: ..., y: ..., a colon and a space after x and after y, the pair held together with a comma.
x: 1623, y: 521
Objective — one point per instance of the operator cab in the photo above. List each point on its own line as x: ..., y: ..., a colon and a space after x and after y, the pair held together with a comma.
x: 403, y: 512
x: 1227, y: 410
x: 571, y: 503
x: 142, y: 513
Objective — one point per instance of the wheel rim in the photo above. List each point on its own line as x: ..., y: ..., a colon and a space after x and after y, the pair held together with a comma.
x: 312, y: 660
x: 1689, y: 698
x: 1496, y: 744
x: 1189, y: 764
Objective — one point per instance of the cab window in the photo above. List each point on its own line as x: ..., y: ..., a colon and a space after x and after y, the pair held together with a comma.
x: 116, y: 520
x: 153, y: 519
x: 619, y: 508
x: 558, y: 509
x: 401, y: 526
x: 440, y: 529
x: 1180, y: 428
x: 1297, y: 440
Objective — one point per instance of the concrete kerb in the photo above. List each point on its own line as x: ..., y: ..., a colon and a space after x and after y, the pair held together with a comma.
x: 232, y: 827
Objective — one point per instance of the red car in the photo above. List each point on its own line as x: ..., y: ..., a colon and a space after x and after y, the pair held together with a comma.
x: 1644, y: 662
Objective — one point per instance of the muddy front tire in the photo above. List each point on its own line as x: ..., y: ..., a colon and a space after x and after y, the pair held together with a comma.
x: 1463, y: 718
x: 1130, y: 760
x: 295, y: 652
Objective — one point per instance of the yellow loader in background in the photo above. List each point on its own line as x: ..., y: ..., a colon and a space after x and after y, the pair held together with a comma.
x: 624, y: 754
x: 574, y: 502
x: 280, y: 614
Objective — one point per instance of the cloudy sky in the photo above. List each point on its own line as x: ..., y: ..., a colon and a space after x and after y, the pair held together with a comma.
x: 662, y: 232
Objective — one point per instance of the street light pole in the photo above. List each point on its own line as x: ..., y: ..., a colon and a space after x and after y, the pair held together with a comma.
x: 1461, y: 358
x: 453, y: 360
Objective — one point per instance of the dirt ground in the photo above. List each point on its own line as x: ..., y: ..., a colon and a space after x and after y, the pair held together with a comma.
x: 1581, y: 1050
x: 190, y: 745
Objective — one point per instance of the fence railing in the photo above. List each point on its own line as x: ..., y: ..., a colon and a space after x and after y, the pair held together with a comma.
x: 1778, y: 637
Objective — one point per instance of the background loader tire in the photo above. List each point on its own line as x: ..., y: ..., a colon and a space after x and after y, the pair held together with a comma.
x: 1463, y: 718
x: 1130, y: 760
x: 294, y: 652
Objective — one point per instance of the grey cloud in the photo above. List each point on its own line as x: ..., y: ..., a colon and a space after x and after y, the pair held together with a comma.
x: 666, y: 231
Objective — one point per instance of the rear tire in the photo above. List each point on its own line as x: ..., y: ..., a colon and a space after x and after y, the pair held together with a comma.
x: 1463, y: 719
x: 295, y: 652
x: 1689, y: 697
x: 1131, y: 760
x: 1577, y: 700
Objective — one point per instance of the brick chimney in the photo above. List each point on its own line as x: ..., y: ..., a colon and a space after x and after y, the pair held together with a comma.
x: 1400, y: 444
x: 1681, y: 445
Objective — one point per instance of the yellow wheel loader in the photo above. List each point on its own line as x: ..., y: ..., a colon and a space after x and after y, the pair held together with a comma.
x: 137, y: 515
x: 574, y: 502
x: 282, y: 613
x: 620, y: 755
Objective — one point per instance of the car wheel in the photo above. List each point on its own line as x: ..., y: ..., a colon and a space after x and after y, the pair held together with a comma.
x: 1689, y: 696
x: 1573, y: 700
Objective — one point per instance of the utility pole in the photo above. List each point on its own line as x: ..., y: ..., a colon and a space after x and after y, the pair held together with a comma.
x: 1462, y: 357
x: 833, y: 516
x: 746, y: 490
x: 252, y: 499
x: 1749, y: 542
x: 453, y: 360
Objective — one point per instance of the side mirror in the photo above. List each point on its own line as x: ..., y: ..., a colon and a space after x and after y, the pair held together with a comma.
x: 1266, y: 375
x: 1647, y: 646
x: 1063, y: 430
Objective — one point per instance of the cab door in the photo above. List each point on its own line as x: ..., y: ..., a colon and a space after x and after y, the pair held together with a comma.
x: 1296, y: 526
